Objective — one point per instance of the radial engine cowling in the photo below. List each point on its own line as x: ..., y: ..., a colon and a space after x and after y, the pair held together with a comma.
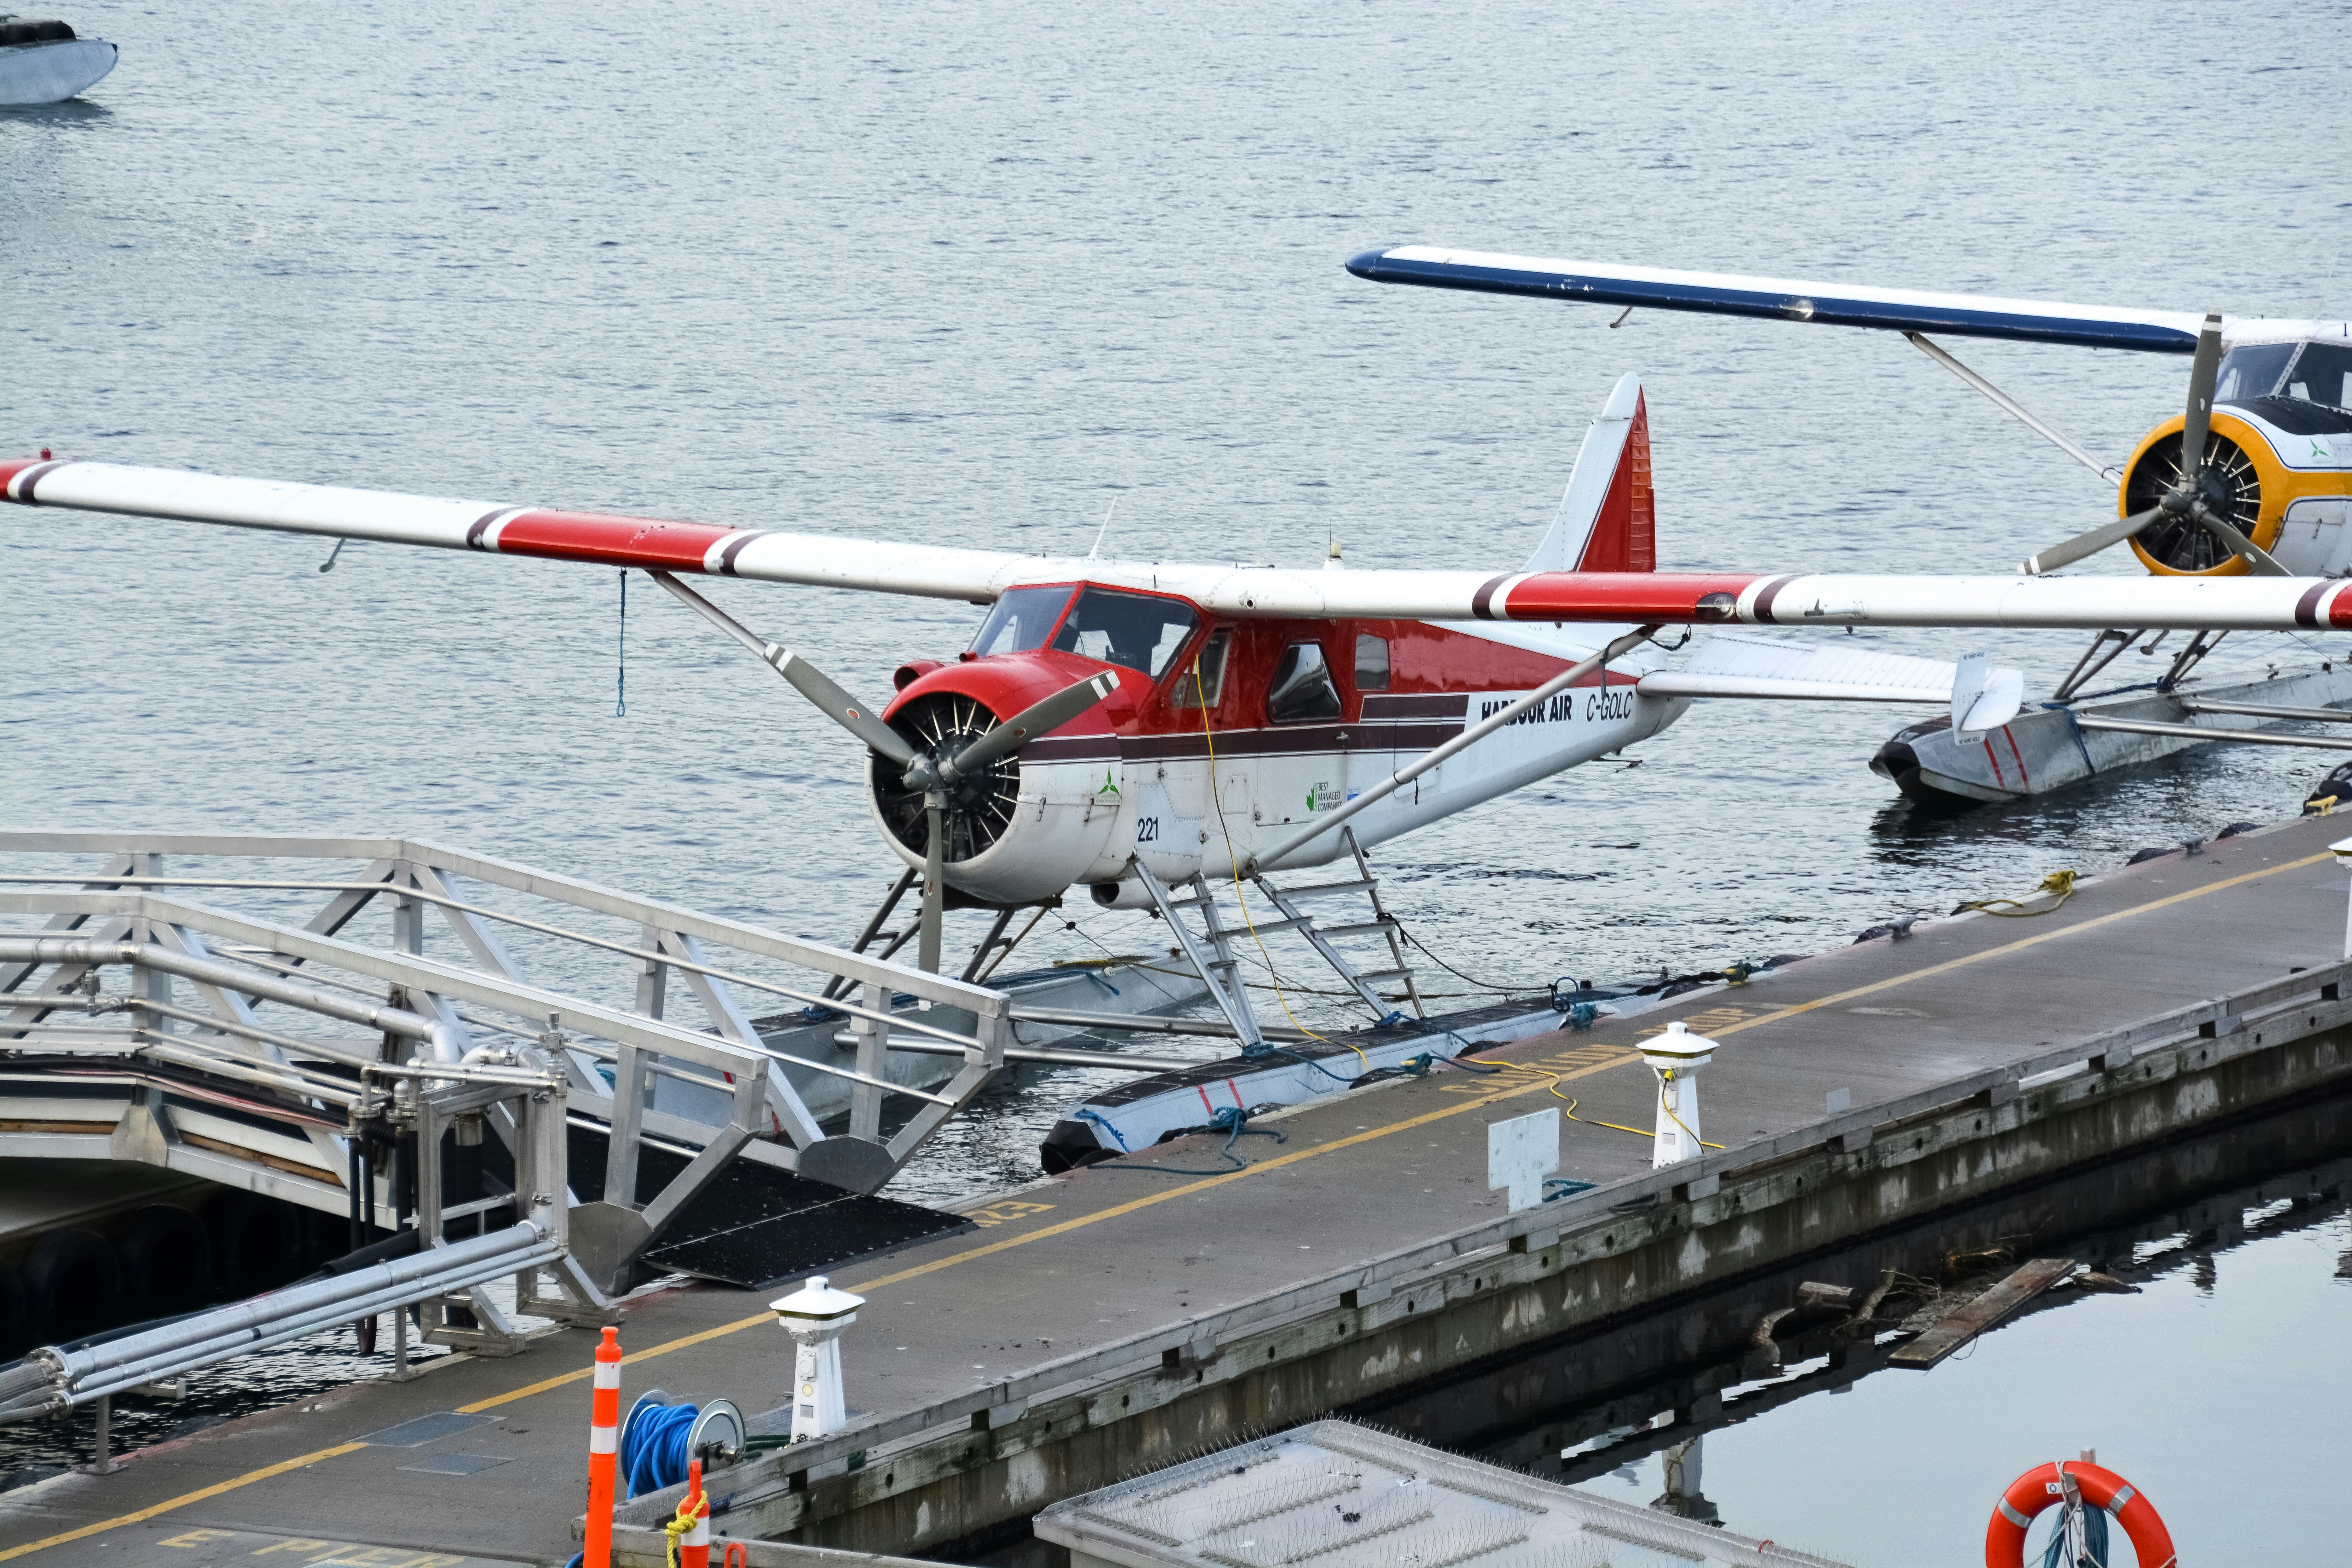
x: 1023, y: 828
x: 2233, y: 485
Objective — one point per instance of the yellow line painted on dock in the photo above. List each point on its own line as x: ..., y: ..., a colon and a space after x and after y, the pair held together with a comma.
x: 183, y: 1500
x: 561, y: 1379
x: 1946, y: 967
x: 1181, y: 1190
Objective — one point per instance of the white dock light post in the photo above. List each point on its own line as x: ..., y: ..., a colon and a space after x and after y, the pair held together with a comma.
x: 2343, y: 848
x: 815, y: 1315
x: 1677, y: 1057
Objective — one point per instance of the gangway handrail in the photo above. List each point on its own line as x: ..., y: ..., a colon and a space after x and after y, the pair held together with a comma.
x: 938, y: 988
x: 17, y: 949
x: 402, y: 969
x: 647, y: 955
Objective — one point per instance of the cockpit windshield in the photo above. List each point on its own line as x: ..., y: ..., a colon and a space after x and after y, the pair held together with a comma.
x: 1136, y: 631
x: 2252, y: 372
x: 1021, y: 621
x: 2322, y: 373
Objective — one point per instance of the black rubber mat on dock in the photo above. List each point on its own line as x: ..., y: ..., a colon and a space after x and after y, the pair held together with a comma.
x: 755, y: 1226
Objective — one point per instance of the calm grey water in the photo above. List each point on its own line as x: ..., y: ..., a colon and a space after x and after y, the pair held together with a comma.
x: 967, y: 274
x: 2208, y: 1391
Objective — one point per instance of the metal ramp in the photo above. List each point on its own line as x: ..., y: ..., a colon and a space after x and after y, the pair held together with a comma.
x: 215, y: 1069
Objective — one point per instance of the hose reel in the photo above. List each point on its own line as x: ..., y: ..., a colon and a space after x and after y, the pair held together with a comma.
x: 661, y: 1435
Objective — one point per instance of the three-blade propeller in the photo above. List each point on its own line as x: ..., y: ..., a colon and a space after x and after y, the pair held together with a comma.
x: 930, y: 771
x: 2187, y: 499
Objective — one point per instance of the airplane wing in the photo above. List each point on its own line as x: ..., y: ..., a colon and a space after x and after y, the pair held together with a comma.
x: 1608, y: 598
x: 446, y: 523
x: 1789, y: 300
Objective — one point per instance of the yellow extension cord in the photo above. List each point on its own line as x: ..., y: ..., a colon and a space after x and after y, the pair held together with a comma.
x: 1234, y: 858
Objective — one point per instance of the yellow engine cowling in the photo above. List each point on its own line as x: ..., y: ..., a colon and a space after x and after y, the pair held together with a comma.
x: 2286, y: 491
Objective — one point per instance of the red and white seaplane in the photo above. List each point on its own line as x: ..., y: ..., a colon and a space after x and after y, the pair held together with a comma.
x: 1131, y: 726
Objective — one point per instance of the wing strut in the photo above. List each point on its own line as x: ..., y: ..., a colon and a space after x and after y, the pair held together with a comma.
x: 2016, y: 410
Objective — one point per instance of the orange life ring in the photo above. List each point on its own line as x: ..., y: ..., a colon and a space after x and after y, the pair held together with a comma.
x: 2040, y: 1488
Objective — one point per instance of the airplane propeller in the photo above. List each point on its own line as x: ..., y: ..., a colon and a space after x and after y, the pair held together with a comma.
x: 933, y: 771
x: 2189, y: 500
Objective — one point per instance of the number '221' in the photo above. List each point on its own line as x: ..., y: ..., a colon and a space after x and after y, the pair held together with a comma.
x: 1146, y: 830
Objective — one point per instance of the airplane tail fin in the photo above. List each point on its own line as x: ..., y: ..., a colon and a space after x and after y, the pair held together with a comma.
x: 1608, y: 521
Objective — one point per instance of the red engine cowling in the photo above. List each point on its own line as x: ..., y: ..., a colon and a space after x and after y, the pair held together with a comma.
x: 1032, y: 824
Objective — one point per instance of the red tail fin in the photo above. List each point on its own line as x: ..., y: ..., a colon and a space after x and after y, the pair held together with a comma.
x: 1625, y: 533
x: 1607, y: 521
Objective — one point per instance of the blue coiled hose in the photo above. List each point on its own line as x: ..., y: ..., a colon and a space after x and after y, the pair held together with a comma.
x: 652, y: 1447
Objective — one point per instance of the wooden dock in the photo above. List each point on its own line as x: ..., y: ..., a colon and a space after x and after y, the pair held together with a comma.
x: 1106, y: 1315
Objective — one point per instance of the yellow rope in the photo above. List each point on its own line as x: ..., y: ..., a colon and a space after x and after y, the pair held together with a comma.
x: 689, y: 1508
x: 1232, y: 857
x: 2058, y: 882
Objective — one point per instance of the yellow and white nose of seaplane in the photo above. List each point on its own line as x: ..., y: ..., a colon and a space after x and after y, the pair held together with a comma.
x: 2278, y: 460
x: 2269, y: 413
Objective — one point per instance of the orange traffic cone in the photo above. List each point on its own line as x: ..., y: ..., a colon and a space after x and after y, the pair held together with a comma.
x: 604, y: 1452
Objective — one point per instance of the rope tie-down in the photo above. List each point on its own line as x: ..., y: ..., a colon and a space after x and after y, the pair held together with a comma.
x: 2061, y: 883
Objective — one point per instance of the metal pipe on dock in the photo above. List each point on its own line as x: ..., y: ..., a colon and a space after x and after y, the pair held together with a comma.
x: 69, y: 1377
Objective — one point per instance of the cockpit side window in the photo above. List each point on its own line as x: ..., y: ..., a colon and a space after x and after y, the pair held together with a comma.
x: 2322, y: 373
x: 2251, y: 372
x: 1302, y: 690
x: 1135, y: 631
x: 1203, y: 684
x: 1021, y: 621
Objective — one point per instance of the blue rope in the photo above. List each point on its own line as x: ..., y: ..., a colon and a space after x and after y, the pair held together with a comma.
x: 1232, y: 1121
x: 652, y: 1447
x: 621, y: 668
x: 1104, y: 1122
x: 2094, y: 1542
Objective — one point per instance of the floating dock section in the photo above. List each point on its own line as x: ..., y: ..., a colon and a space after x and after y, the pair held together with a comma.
x: 1114, y: 1321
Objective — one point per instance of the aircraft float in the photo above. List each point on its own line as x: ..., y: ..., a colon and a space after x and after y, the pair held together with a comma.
x: 1128, y: 727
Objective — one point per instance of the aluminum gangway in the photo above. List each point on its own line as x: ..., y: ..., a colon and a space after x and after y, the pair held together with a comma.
x: 334, y: 1033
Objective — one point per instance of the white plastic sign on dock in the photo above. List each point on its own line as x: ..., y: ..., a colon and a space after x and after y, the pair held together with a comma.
x: 1521, y: 1153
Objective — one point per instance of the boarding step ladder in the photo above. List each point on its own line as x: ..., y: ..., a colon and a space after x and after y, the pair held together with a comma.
x: 1211, y: 953
x: 1365, y: 983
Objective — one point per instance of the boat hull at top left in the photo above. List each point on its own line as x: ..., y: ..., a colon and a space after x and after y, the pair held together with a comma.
x: 44, y: 62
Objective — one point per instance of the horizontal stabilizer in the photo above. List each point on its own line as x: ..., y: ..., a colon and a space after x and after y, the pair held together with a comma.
x: 1730, y: 665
